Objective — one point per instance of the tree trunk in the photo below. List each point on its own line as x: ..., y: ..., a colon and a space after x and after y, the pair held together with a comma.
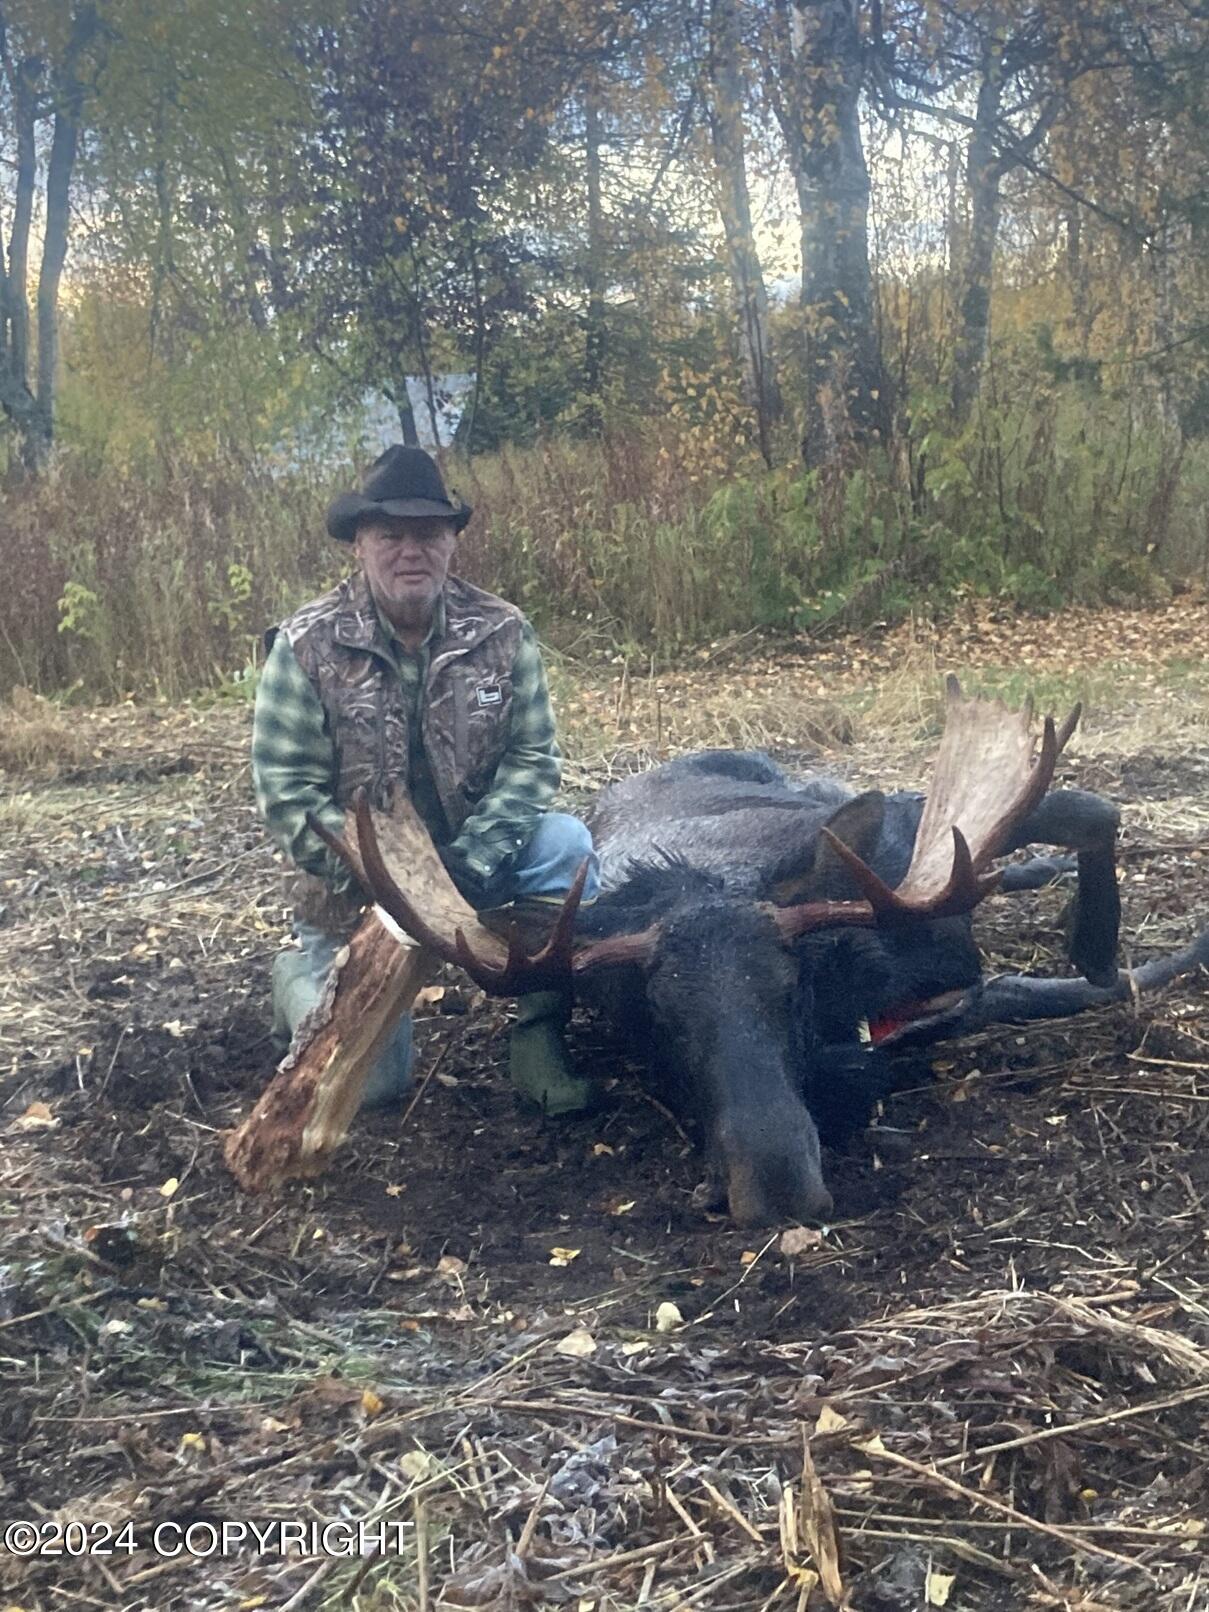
x: 304, y: 1112
x: 821, y: 67
x: 976, y: 255
x: 24, y: 98
x: 595, y: 339
x: 63, y: 147
x: 726, y: 100
x: 16, y: 396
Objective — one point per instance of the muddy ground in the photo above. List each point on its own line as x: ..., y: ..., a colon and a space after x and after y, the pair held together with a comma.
x: 997, y: 1354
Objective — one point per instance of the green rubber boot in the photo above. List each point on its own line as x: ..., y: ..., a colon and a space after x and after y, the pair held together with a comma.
x: 538, y: 1062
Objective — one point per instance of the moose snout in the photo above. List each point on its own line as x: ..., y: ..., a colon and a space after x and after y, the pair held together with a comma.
x: 774, y: 1174
x: 752, y: 1203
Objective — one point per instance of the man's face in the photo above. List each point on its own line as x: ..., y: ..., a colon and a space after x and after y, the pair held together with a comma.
x: 405, y: 563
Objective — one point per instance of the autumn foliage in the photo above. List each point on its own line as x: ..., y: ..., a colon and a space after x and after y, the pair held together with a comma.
x: 780, y: 316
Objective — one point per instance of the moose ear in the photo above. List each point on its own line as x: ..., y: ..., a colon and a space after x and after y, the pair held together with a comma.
x: 857, y: 823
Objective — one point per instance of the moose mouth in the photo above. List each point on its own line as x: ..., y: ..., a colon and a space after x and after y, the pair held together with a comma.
x: 908, y: 1019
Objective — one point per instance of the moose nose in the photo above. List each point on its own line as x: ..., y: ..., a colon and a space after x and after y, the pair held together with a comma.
x: 755, y: 1197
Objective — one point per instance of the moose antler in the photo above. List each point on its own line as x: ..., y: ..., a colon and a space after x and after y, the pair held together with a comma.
x: 985, y: 783
x: 303, y: 1114
x: 396, y: 861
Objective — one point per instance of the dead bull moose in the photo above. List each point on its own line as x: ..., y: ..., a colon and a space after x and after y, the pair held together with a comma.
x: 772, y: 940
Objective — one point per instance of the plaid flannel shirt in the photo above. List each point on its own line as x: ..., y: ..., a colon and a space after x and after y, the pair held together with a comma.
x: 294, y: 766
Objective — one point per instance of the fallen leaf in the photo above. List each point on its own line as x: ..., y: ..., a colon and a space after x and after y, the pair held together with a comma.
x: 830, y: 1421
x: 623, y: 1208
x: 117, y: 1328
x: 461, y: 1313
x: 668, y: 1317
x: 563, y: 1256
x: 418, y: 1464
x: 175, y: 1028
x: 193, y: 1443
x: 577, y: 1343
x: 37, y: 1117
x: 601, y: 1149
x: 938, y: 1586
x: 371, y: 1404
x: 800, y: 1240
x: 450, y: 1268
x: 430, y: 994
x: 170, y: 1187
x: 394, y: 1190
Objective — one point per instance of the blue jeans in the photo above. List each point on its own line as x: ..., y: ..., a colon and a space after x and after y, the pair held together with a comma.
x: 542, y: 871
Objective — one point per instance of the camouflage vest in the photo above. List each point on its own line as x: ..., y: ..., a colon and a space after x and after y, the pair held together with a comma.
x: 464, y: 706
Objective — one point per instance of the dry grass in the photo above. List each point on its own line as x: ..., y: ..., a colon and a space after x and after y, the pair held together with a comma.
x: 37, y: 736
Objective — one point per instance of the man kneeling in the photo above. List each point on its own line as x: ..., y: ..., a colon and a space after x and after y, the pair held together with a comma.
x: 404, y: 676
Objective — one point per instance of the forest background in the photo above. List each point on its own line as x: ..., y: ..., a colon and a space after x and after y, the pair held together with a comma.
x: 784, y: 314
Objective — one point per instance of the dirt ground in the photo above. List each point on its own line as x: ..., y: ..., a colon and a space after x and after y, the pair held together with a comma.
x: 983, y: 1386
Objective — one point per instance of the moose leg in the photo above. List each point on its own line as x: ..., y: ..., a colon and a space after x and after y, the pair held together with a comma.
x: 304, y: 1112
x: 1036, y: 873
x: 1023, y: 999
x: 1086, y: 824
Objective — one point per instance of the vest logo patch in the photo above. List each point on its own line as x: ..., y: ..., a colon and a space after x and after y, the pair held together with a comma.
x: 489, y: 694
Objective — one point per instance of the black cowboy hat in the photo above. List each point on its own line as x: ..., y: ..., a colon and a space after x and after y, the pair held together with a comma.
x: 402, y: 482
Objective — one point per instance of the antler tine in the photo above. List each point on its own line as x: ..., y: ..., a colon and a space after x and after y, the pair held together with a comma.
x: 562, y: 936
x: 1042, y: 774
x: 1069, y: 725
x: 882, y: 900
x: 550, y: 966
x: 965, y: 889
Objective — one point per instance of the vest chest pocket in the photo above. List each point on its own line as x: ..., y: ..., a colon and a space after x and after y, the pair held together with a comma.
x: 484, y: 710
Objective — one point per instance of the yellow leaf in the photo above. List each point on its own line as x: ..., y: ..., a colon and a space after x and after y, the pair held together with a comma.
x: 578, y: 1343
x: 563, y: 1256
x: 418, y: 1464
x: 394, y: 1191
x: 170, y: 1187
x: 192, y: 1441
x: 370, y: 1403
x: 624, y: 1208
x: 599, y: 1149
x: 830, y: 1421
x: 938, y: 1586
x: 668, y: 1317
